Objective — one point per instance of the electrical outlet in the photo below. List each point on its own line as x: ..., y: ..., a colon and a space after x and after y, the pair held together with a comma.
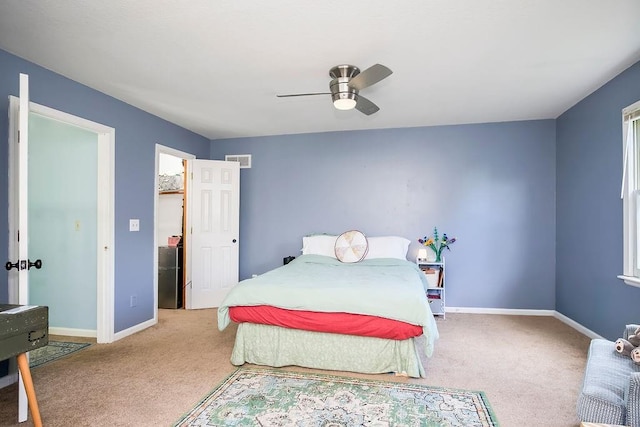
x: 134, y: 301
x: 134, y: 225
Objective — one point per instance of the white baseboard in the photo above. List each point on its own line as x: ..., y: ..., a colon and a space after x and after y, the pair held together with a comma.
x: 575, y: 325
x: 69, y: 332
x: 72, y: 332
x: 526, y: 312
x: 136, y: 328
x: 506, y: 311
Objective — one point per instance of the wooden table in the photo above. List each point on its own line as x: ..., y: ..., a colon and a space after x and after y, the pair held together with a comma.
x: 22, y: 329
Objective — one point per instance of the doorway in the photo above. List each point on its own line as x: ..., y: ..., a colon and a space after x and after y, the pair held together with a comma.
x: 96, y: 320
x: 63, y: 223
x: 169, y: 223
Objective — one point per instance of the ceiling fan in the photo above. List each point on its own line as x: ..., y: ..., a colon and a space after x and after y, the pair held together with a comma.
x: 346, y: 83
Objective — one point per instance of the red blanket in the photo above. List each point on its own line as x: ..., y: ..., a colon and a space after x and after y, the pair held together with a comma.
x: 336, y: 323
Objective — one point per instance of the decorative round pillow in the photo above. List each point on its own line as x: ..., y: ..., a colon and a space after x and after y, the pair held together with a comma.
x: 351, y: 246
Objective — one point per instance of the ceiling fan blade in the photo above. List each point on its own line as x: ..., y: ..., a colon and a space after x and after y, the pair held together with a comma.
x: 370, y: 76
x: 303, y: 94
x: 365, y: 106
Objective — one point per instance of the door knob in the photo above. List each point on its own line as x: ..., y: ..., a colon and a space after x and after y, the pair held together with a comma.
x: 21, y: 265
x: 37, y: 264
x: 234, y: 240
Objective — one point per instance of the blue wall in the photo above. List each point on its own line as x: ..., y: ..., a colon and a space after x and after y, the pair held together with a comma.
x: 493, y: 186
x: 137, y: 132
x: 490, y: 185
x: 589, y: 210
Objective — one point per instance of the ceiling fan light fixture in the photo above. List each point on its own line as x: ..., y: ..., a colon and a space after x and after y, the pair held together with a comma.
x: 345, y: 85
x: 344, y: 101
x: 345, y: 104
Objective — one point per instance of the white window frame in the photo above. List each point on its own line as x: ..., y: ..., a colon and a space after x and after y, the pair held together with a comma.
x: 630, y: 194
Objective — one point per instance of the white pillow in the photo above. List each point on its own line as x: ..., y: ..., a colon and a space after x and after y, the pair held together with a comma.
x: 388, y: 247
x: 319, y: 244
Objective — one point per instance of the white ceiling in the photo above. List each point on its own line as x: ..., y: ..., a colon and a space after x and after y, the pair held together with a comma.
x: 215, y: 67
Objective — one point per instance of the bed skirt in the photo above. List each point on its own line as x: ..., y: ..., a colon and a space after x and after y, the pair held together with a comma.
x: 276, y: 346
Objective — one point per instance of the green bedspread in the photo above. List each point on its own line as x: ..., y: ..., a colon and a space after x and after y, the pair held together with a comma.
x: 389, y: 288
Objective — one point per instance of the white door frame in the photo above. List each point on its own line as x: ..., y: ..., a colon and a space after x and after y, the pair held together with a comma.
x: 161, y: 149
x: 105, y: 206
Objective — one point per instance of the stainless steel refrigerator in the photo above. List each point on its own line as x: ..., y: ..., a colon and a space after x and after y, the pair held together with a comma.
x: 170, y: 276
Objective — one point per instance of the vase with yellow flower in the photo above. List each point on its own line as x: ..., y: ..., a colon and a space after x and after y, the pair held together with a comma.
x: 437, y: 243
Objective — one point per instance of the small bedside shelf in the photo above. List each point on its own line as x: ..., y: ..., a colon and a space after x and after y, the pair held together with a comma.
x: 435, y: 275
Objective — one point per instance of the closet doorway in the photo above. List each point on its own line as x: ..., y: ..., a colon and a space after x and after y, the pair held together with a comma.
x: 170, y: 214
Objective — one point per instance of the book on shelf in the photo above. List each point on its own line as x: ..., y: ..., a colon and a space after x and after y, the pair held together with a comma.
x: 432, y: 294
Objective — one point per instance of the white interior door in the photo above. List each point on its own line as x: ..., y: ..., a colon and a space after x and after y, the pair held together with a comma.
x: 213, y: 217
x: 23, y: 192
x: 23, y: 229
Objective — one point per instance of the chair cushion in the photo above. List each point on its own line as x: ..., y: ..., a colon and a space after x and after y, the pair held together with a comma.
x: 606, y: 379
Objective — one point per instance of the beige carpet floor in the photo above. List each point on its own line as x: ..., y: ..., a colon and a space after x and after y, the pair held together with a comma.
x: 530, y: 368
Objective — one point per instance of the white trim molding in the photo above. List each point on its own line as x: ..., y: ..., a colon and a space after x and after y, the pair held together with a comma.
x: 504, y: 311
x: 73, y: 332
x: 526, y: 312
x: 135, y: 328
x: 630, y: 280
x: 577, y: 326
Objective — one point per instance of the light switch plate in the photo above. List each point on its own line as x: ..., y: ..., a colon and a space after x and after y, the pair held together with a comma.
x: 134, y: 225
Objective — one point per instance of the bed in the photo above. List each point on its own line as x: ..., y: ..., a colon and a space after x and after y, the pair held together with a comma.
x: 365, y: 313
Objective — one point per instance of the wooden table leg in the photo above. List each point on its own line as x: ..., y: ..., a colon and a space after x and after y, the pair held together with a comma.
x: 23, y: 366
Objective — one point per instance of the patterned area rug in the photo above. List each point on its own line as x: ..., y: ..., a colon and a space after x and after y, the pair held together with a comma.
x: 257, y: 397
x: 53, y: 351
